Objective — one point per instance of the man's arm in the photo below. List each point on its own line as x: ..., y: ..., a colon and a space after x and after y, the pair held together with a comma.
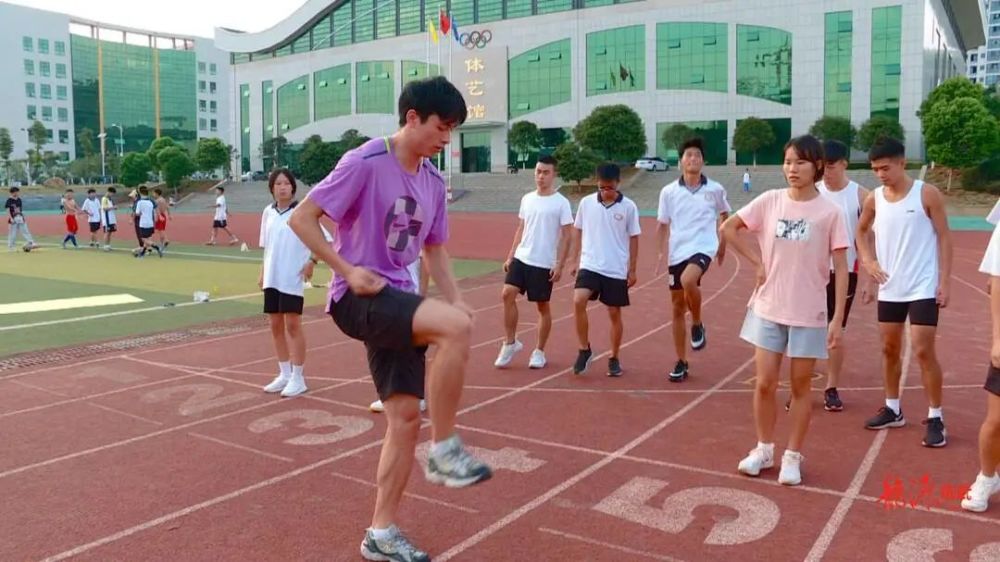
x: 576, y: 247
x: 562, y: 254
x: 934, y: 204
x: 866, y: 242
x: 304, y: 222
x: 633, y: 259
x: 662, y: 245
x: 439, y: 267
x: 730, y: 232
x: 721, y: 253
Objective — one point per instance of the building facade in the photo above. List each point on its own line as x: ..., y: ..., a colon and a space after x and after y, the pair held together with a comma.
x: 333, y: 66
x: 132, y: 85
x: 984, y: 62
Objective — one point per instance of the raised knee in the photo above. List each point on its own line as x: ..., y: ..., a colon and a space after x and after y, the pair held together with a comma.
x: 460, y: 329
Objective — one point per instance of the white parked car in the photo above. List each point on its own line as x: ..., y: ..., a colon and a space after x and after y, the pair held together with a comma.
x: 652, y: 163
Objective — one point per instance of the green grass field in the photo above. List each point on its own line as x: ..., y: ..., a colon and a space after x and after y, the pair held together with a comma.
x: 166, y: 287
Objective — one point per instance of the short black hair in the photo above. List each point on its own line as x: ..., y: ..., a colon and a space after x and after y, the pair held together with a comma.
x: 609, y: 171
x: 69, y: 190
x: 220, y: 189
x: 808, y: 147
x: 157, y: 191
x: 834, y: 151
x: 91, y: 190
x: 112, y: 190
x: 886, y: 147
x: 693, y: 142
x: 433, y: 96
x: 278, y: 173
x: 143, y: 190
x: 15, y: 189
x: 549, y: 160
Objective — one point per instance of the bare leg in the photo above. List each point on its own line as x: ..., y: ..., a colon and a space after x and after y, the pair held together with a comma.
x: 449, y: 329
x: 396, y: 462
x: 510, y: 317
x: 580, y: 299
x: 278, y: 336
x: 544, y: 324
x: 989, y: 437
x: 617, y: 329
x: 930, y: 369
x: 892, y: 367
x: 835, y: 365
x: 692, y: 292
x: 679, y: 327
x: 801, y: 409
x: 768, y: 365
x: 293, y: 325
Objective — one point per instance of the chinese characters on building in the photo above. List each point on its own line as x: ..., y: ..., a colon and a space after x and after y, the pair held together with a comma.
x: 475, y: 88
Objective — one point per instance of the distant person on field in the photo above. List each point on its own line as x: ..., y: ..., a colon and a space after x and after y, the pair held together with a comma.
x: 15, y: 211
x: 221, y: 220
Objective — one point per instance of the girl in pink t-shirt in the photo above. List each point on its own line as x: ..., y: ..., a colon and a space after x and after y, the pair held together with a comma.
x: 798, y: 232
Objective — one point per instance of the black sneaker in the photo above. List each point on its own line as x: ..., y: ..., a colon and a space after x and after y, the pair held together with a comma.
x: 788, y: 404
x: 582, y: 361
x: 886, y: 418
x: 614, y: 367
x: 698, y: 337
x: 831, y: 400
x: 936, y: 435
x: 680, y: 371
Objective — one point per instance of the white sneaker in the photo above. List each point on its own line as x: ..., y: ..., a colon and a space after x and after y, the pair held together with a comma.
x: 507, y: 352
x: 791, y: 474
x: 758, y: 459
x: 537, y: 360
x: 378, y: 407
x: 278, y: 384
x: 295, y: 386
x: 979, y: 494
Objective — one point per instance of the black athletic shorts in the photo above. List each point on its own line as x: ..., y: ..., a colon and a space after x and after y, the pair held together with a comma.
x: 95, y: 226
x: 993, y: 380
x: 831, y: 297
x: 145, y: 232
x: 385, y: 323
x: 675, y: 271
x: 277, y: 302
x: 923, y: 312
x: 530, y: 279
x: 111, y: 228
x: 611, y: 291
x: 219, y: 224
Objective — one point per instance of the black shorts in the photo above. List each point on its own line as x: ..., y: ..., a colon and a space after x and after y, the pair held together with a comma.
x: 219, y: 224
x: 852, y: 287
x: 110, y: 228
x: 95, y: 226
x: 675, y: 271
x: 923, y: 312
x: 611, y: 291
x: 385, y: 323
x: 145, y: 232
x: 993, y: 380
x: 277, y: 302
x: 530, y: 279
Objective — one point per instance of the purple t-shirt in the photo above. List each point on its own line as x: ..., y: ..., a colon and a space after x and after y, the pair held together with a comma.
x: 384, y: 214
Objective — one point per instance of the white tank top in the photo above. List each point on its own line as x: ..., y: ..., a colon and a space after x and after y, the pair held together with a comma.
x: 847, y: 200
x: 906, y: 246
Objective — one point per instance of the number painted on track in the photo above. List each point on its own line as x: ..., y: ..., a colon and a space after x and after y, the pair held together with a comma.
x: 349, y: 426
x: 203, y: 397
x: 756, y: 516
x: 921, y: 545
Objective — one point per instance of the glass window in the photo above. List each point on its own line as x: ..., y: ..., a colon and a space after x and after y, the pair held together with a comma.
x: 887, y: 33
x: 518, y: 8
x: 60, y: 92
x: 540, y: 78
x: 60, y: 70
x: 60, y: 48
x: 267, y: 108
x: 293, y: 105
x: 409, y: 17
x: 245, y: 127
x: 45, y: 91
x: 332, y: 92
x: 202, y: 124
x: 322, y: 31
x: 376, y: 92
x: 201, y: 86
x: 418, y: 70
x: 213, y: 107
x: 595, y: 3
x: 44, y: 69
x: 32, y: 112
x: 343, y: 32
x: 211, y: 87
x: 302, y: 44
x: 385, y: 19
x: 201, y: 68
x: 692, y: 56
x: 464, y: 11
x: 364, y: 20
x: 837, y: 64
x: 715, y: 135
x: 48, y: 135
x: 29, y: 67
x: 213, y: 69
x: 213, y: 125
x: 616, y: 60
x: 62, y: 114
x: 63, y: 156
x: 46, y: 113
x: 29, y: 90
x: 773, y: 153
x: 63, y: 136
x: 432, y: 10
x: 202, y: 106
x: 550, y: 6
x: 43, y: 46
x: 28, y: 44
x: 240, y: 58
x: 764, y: 63
x: 488, y: 10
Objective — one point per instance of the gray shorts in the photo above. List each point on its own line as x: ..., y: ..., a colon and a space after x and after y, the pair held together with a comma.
x: 793, y: 341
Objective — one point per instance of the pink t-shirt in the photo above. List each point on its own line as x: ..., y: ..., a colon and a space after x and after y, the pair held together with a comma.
x: 797, y: 240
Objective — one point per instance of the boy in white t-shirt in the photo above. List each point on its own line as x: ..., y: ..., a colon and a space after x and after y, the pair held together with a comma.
x: 690, y: 213
x: 109, y: 216
x: 145, y: 212
x: 92, y: 206
x: 607, y: 239
x: 221, y: 218
x: 535, y: 261
x: 987, y: 481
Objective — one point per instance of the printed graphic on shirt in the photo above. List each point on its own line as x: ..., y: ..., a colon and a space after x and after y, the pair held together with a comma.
x: 796, y: 230
x: 403, y: 223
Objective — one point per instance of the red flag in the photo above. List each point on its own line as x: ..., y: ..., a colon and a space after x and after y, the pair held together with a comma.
x: 445, y: 22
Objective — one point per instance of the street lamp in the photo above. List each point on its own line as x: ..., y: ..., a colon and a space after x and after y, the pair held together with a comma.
x: 121, y: 139
x: 103, y: 137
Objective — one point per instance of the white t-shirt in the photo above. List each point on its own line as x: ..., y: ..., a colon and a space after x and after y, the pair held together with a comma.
x: 144, y: 208
x: 606, y: 232
x: 746, y: 177
x: 93, y: 209
x: 544, y: 217
x: 220, y: 208
x: 848, y: 201
x: 108, y: 215
x: 284, y: 253
x: 991, y: 260
x: 693, y: 218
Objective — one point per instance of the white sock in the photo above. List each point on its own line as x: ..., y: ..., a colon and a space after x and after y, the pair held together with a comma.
x: 285, y: 367
x: 441, y: 446
x: 893, y: 404
x: 769, y: 447
x: 934, y: 413
x: 297, y: 371
x: 380, y: 534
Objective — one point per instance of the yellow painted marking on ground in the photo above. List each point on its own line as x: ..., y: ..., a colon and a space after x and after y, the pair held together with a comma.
x: 66, y: 304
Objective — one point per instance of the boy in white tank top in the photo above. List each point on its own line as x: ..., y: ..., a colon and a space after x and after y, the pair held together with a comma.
x: 911, y: 263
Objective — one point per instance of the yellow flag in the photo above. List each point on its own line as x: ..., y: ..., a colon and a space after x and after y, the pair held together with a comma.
x: 432, y: 31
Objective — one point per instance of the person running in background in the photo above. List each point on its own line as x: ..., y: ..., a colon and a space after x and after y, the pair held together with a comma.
x: 799, y: 232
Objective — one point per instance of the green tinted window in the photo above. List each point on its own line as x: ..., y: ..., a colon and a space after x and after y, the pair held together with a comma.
x: 595, y: 3
x: 343, y: 32
x: 322, y: 33
x: 432, y: 13
x: 837, y: 64
x: 301, y: 44
x: 518, y: 8
x: 60, y: 48
x: 764, y: 63
x: 463, y: 11
x: 332, y: 92
x: 376, y: 87
x: 244, y: 126
x: 417, y: 70
x: 43, y: 46
x: 364, y: 20
x: 887, y: 33
x: 60, y: 70
x: 616, y: 60
x: 409, y: 17
x: 692, y: 56
x: 549, y: 6
x: 177, y: 98
x: 293, y: 105
x: 29, y: 67
x: 539, y: 78
x: 267, y: 108
x: 487, y: 10
x: 385, y: 17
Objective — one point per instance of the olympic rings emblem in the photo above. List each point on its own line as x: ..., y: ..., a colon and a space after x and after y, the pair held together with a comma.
x: 476, y: 39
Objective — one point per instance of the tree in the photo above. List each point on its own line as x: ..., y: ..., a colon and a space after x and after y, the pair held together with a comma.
x: 351, y: 139
x: 829, y: 127
x: 156, y: 147
x: 951, y: 90
x: 135, y: 168
x: 274, y: 148
x: 751, y: 135
x: 85, y: 141
x: 675, y: 135
x: 6, y: 149
x: 211, y: 154
x: 318, y: 158
x: 960, y: 134
x: 877, y: 127
x: 175, y: 165
x: 524, y: 138
x: 576, y: 163
x: 614, y: 131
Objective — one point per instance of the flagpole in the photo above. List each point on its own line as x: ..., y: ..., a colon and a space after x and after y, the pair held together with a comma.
x: 451, y: 78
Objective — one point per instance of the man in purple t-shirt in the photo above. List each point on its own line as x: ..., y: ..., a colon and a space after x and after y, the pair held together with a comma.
x: 388, y: 201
